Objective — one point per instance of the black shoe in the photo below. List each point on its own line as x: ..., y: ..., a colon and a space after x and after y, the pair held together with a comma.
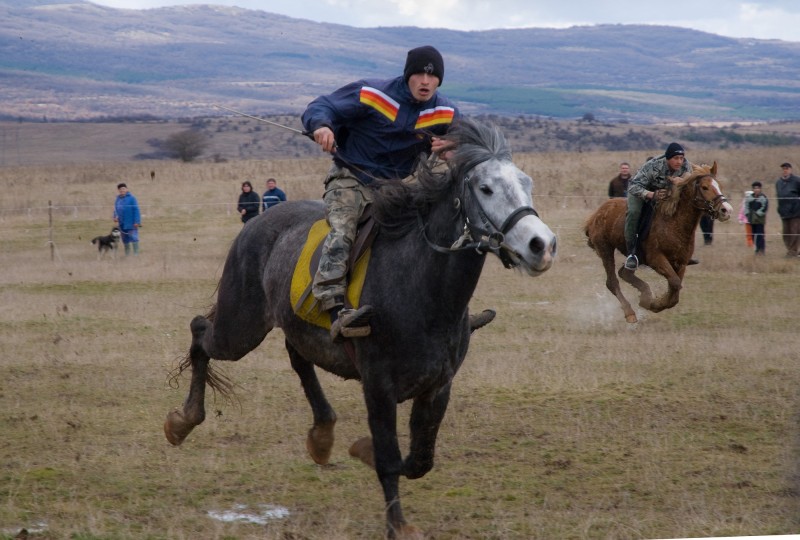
x: 481, y: 319
x: 631, y: 263
x: 692, y: 261
x: 352, y: 323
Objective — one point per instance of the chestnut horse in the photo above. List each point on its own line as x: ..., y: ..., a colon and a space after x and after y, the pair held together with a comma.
x: 670, y: 243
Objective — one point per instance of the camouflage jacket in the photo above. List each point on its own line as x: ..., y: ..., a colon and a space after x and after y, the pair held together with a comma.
x: 756, y: 209
x: 653, y: 175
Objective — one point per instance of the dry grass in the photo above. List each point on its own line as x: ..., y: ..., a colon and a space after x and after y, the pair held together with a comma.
x: 565, y: 421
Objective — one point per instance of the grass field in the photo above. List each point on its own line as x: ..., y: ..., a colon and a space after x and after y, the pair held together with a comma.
x: 565, y: 421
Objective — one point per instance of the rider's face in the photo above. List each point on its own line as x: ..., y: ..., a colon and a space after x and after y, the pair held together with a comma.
x: 675, y: 162
x: 423, y: 86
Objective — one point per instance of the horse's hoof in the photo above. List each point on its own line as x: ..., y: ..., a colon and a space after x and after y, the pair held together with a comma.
x: 176, y: 428
x: 362, y: 449
x: 405, y: 532
x: 631, y: 318
x: 320, y: 442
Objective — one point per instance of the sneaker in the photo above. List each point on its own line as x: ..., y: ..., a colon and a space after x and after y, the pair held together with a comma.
x: 352, y: 323
x: 481, y: 319
x: 631, y: 263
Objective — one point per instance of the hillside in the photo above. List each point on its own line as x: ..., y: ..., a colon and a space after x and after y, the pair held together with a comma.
x: 78, y: 60
x: 232, y: 138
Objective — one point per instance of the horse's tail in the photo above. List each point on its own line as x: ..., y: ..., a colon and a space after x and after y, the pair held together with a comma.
x: 586, y: 225
x: 218, y: 381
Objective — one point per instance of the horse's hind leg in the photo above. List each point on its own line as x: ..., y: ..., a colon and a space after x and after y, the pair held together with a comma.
x: 227, y: 334
x: 180, y: 422
x: 320, y: 437
x: 612, y: 284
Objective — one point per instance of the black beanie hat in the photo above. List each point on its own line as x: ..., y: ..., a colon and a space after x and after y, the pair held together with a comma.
x: 425, y: 59
x: 674, y: 149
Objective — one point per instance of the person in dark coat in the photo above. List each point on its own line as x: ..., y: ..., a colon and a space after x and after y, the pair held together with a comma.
x: 249, y: 202
x: 618, y: 186
x: 787, y: 191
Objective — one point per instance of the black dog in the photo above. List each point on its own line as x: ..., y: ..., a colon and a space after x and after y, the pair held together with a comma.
x: 108, y: 243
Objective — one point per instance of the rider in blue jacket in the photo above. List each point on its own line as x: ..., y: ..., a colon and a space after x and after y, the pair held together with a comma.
x: 375, y: 129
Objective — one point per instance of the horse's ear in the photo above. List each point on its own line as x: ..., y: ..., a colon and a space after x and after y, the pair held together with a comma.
x: 714, y: 169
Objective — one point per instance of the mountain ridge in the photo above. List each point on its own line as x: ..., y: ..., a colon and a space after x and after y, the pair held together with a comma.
x: 76, y: 60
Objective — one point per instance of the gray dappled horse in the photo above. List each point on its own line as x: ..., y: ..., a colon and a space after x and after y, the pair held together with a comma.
x: 418, y: 282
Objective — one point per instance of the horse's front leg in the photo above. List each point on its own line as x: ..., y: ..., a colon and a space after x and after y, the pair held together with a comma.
x: 180, y: 422
x: 426, y: 417
x: 674, y: 284
x: 382, y: 451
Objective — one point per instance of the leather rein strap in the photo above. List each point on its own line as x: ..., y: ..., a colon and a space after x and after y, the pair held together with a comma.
x: 489, y: 237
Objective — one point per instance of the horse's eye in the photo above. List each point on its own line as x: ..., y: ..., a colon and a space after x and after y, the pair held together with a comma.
x: 486, y: 190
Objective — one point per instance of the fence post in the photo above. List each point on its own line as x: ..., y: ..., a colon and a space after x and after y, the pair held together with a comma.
x: 52, y: 245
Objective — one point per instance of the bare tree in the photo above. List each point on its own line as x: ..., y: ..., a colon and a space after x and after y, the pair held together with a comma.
x: 186, y: 145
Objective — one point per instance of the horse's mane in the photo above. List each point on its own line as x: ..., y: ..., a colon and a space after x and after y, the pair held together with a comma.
x: 670, y: 205
x: 396, y: 205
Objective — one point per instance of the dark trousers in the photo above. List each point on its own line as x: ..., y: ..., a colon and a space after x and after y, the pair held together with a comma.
x: 707, y: 226
x: 758, y: 237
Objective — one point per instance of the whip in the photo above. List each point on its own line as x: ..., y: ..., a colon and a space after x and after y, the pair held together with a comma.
x: 270, y: 122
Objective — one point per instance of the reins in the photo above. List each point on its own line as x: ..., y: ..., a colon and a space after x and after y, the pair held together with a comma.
x: 490, y: 238
x: 711, y: 208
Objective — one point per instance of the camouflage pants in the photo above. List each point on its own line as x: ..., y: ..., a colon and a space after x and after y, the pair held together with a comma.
x: 345, y: 200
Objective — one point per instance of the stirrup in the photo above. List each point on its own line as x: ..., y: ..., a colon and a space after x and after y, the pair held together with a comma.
x: 352, y: 323
x: 632, y: 262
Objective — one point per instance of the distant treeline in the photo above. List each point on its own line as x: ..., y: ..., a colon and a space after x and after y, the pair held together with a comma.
x: 727, y: 136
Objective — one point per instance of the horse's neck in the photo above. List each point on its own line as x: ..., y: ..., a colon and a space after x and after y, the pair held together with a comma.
x: 455, y: 273
x: 687, y: 215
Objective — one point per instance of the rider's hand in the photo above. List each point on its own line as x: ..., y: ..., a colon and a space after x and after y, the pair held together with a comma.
x: 660, y: 194
x: 324, y: 137
x: 442, y: 148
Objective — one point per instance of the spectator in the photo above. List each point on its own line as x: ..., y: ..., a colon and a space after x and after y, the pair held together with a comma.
x: 248, y: 202
x: 128, y: 218
x: 756, y: 211
x: 707, y: 227
x: 748, y: 231
x: 618, y: 187
x: 787, y: 191
x: 272, y: 196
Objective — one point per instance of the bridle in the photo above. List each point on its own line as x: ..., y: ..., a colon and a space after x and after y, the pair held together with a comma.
x: 712, y: 207
x: 484, y: 238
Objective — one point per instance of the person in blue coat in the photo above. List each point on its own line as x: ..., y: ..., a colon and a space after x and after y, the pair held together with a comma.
x: 128, y: 218
x: 274, y: 195
x: 374, y: 129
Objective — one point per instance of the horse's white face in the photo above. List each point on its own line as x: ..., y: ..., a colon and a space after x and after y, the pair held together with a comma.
x: 500, y: 189
x: 725, y: 210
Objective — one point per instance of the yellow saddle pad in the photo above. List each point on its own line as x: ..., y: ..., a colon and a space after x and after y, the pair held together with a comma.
x: 305, y: 305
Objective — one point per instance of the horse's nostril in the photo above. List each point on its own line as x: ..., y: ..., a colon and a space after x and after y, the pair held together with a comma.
x: 536, y: 245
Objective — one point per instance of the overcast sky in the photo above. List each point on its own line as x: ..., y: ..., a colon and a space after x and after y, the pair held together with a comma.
x: 763, y: 19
